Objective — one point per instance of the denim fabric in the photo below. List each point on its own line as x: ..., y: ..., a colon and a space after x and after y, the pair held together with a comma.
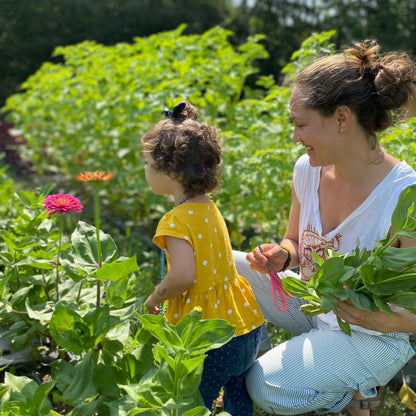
x: 227, y: 367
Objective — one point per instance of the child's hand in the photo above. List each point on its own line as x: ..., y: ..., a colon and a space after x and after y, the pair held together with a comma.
x: 155, y: 310
x: 152, y: 309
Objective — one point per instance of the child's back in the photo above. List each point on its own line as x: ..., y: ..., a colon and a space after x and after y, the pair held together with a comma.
x: 217, y: 289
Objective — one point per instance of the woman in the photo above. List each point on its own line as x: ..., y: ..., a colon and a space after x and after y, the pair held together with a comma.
x: 345, y: 188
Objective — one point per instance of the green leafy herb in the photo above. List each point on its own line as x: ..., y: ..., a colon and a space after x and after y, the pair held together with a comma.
x: 379, y: 277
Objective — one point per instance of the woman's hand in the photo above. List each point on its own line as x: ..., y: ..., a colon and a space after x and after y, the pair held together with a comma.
x: 276, y: 255
x: 403, y: 321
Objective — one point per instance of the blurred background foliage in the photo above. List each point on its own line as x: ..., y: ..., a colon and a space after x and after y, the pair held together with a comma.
x: 30, y: 30
x: 83, y: 81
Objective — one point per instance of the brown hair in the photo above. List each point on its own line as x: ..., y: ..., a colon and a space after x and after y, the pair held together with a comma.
x: 378, y: 89
x: 185, y: 149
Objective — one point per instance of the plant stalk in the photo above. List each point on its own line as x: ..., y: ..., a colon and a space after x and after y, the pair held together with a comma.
x: 97, y: 233
x: 61, y: 226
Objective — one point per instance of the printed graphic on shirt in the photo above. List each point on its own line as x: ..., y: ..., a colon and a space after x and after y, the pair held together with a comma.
x: 312, y: 242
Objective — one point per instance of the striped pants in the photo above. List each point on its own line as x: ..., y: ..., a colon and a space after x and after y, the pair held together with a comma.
x: 318, y: 369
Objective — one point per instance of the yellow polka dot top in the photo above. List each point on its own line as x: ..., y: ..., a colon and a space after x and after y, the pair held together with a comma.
x: 217, y: 289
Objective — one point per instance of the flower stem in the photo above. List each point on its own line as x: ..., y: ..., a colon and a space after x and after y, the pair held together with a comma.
x: 97, y: 232
x: 46, y: 287
x: 61, y: 226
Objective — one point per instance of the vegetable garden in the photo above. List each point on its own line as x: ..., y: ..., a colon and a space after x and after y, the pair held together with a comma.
x: 76, y: 269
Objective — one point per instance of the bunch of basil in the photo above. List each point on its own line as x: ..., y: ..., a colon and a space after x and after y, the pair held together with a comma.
x: 380, y: 277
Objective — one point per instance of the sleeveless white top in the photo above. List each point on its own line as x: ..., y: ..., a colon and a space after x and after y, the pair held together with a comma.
x: 370, y: 222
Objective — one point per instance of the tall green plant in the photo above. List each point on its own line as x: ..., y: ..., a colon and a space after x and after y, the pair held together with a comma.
x: 88, y: 113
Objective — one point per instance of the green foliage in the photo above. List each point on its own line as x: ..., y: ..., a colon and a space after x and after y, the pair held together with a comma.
x: 123, y: 362
x: 90, y: 112
x: 398, y: 141
x: 25, y: 397
x: 66, y: 22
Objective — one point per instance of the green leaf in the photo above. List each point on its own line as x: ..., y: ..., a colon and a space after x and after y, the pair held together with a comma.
x: 116, y: 338
x: 404, y: 300
x: 117, y: 270
x: 345, y: 326
x: 367, y: 273
x: 37, y: 263
x: 159, y: 327
x: 399, y: 258
x: 75, y: 267
x: 388, y: 282
x: 21, y: 388
x: 148, y: 394
x: 44, y: 315
x: 134, y: 365
x: 84, y: 242
x: 98, y: 321
x: 68, y: 328
x: 28, y: 198
x: 403, y: 217
x: 40, y: 399
x: 86, y: 409
x: 296, y: 287
x: 360, y: 300
x: 120, y: 407
x: 204, y: 335
x: 383, y: 306
x: 329, y: 273
x: 62, y: 372
x: 24, y: 340
x: 200, y: 411
x: 82, y: 386
x: 312, y: 310
x: 106, y: 378
x: 46, y: 189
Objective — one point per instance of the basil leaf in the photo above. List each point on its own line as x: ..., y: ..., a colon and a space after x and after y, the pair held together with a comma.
x: 403, y: 215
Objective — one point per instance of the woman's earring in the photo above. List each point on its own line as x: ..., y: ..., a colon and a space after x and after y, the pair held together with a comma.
x: 341, y: 130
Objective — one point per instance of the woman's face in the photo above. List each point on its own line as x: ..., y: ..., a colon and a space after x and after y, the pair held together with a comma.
x: 317, y: 133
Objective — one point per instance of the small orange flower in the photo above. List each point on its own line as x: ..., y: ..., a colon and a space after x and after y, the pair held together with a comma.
x: 94, y: 176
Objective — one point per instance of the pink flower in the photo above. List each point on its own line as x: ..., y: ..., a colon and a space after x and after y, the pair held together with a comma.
x: 61, y: 204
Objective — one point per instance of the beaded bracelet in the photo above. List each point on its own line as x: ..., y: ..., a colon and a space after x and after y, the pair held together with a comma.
x: 289, y: 258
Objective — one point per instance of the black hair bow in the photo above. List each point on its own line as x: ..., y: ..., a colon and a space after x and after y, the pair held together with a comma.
x: 176, y: 112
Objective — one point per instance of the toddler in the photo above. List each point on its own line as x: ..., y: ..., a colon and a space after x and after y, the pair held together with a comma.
x: 182, y: 159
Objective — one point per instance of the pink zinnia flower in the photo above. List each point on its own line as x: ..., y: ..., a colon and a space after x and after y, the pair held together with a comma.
x: 61, y: 204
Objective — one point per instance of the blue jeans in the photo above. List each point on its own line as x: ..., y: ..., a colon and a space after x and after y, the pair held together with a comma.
x: 227, y: 367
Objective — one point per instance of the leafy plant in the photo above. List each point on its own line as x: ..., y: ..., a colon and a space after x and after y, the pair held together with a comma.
x: 378, y: 277
x: 24, y: 397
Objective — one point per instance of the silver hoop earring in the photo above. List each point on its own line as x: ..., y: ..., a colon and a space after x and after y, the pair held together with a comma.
x: 341, y: 130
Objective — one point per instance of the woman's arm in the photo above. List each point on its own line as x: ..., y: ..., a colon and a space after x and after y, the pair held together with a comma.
x: 274, y: 252
x: 180, y: 276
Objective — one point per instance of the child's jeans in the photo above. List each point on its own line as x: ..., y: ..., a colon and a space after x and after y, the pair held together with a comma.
x: 227, y: 367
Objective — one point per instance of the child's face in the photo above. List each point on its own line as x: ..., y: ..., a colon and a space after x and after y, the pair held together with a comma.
x: 158, y: 181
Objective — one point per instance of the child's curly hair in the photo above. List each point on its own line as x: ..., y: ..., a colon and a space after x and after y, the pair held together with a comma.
x: 185, y: 150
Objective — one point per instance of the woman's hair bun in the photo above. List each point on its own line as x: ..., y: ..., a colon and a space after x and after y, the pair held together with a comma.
x: 393, y: 74
x: 366, y: 53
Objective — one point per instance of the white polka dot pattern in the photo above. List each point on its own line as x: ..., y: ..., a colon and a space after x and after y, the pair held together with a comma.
x: 203, y: 227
